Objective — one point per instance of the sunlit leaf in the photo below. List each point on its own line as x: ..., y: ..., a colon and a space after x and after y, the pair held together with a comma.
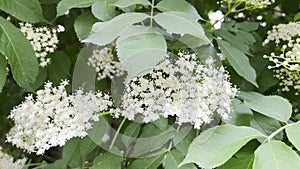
x: 65, y: 5
x: 140, y: 49
x: 105, y: 32
x: 180, y: 23
x: 276, y: 155
x: 178, y: 5
x: 217, y: 145
x: 103, y: 10
x: 272, y: 106
x: 292, y: 133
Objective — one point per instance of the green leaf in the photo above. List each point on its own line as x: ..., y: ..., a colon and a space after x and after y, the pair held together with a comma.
x: 130, y: 133
x: 247, y: 26
x: 170, y: 162
x: 178, y: 5
x: 179, y: 155
x: 192, y: 42
x: 161, y: 123
x: 140, y: 49
x: 154, y: 143
x: 49, y: 1
x: 249, y: 95
x: 69, y: 150
x: 127, y: 3
x: 238, y: 35
x: 76, y: 150
x: 3, y: 71
x: 275, y: 155
x: 58, y: 164
x: 266, y: 125
x: 272, y: 106
x: 147, y: 163
x: 297, y: 16
x: 19, y: 52
x: 240, y: 115
x: 207, y: 51
x: 238, y: 162
x: 24, y: 10
x: 59, y: 68
x: 180, y: 23
x: 292, y: 132
x: 98, y: 131
x: 82, y: 69
x: 105, y: 32
x: 86, y: 146
x: 239, y: 61
x: 215, y: 146
x: 83, y: 25
x: 40, y: 79
x: 103, y: 11
x: 107, y: 161
x: 65, y: 5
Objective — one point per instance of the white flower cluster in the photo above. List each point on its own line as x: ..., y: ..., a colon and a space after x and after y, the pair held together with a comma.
x: 287, y: 62
x: 54, y: 117
x: 249, y: 4
x: 186, y: 89
x: 284, y: 32
x: 7, y: 161
x: 42, y: 39
x: 105, y: 66
x: 288, y: 79
x: 259, y: 3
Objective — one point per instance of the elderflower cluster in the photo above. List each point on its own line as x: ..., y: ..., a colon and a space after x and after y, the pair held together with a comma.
x: 184, y: 88
x: 54, y: 117
x: 7, y: 161
x: 284, y: 32
x: 105, y: 66
x: 287, y: 60
x: 259, y: 3
x: 42, y: 39
x: 249, y: 4
x: 288, y: 79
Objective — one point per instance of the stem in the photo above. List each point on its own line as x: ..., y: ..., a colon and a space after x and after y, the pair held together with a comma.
x: 151, y: 14
x: 116, y: 135
x: 277, y: 131
x: 104, y: 113
x: 34, y: 164
x: 231, y: 9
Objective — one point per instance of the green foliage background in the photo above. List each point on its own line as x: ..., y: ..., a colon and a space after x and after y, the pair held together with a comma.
x: 263, y: 132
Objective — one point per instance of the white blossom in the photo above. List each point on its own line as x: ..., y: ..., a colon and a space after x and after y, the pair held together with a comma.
x: 187, y: 89
x: 42, y: 39
x: 259, y: 3
x: 105, y: 66
x: 287, y: 60
x: 8, y: 162
x: 250, y: 4
x: 216, y: 18
x: 284, y: 32
x: 53, y: 117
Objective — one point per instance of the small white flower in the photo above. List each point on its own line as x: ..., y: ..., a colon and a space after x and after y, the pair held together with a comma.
x: 216, y: 18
